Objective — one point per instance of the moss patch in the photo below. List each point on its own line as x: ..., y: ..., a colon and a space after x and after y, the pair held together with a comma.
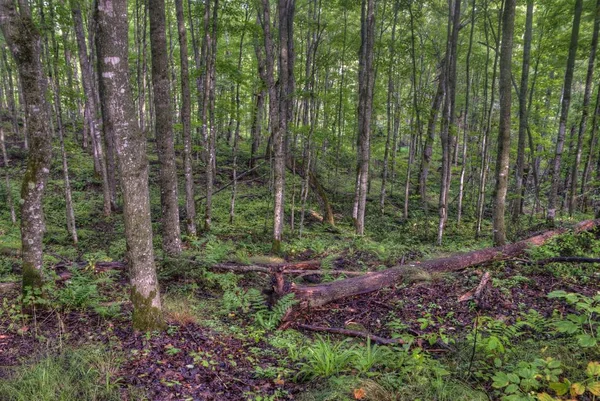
x: 145, y: 316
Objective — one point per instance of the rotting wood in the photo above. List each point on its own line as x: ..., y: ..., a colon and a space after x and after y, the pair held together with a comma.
x: 318, y: 295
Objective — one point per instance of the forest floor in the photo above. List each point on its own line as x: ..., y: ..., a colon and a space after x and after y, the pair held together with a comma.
x: 208, y: 353
x: 533, y: 336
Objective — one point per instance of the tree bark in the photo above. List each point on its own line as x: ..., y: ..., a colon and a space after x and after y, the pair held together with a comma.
x: 186, y: 122
x: 23, y: 39
x: 523, y: 114
x: 502, y: 160
x: 171, y: 233
x: 118, y: 108
x: 87, y: 80
x: 584, y: 114
x: 466, y: 118
x: 366, y: 82
x: 564, y: 113
x: 446, y: 135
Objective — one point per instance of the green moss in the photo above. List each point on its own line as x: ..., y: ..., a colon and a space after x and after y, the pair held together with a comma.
x: 32, y: 277
x: 145, y: 316
x: 276, y: 248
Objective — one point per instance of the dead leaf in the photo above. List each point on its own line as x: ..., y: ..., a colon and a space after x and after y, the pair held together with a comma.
x: 359, y: 393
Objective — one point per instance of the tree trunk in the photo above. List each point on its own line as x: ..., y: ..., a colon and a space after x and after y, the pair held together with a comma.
x: 12, y: 105
x: 504, y: 89
x: 171, y: 234
x: 430, y: 139
x: 236, y: 133
x: 70, y: 213
x: 23, y: 40
x: 87, y: 80
x: 586, y: 105
x: 207, y: 111
x: 466, y: 118
x: 389, y: 103
x: 118, y: 108
x: 448, y: 114
x: 186, y: 122
x: 366, y: 82
x: 486, y: 133
x: 564, y: 113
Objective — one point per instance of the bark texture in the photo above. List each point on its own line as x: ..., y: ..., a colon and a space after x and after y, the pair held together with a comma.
x: 564, y: 114
x: 523, y: 112
x: 502, y: 160
x: 366, y: 81
x: 24, y: 42
x: 186, y: 116
x: 118, y: 108
x: 171, y: 233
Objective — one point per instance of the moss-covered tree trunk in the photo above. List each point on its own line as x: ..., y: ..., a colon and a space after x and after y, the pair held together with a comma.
x: 171, y: 231
x: 118, y: 108
x: 23, y: 40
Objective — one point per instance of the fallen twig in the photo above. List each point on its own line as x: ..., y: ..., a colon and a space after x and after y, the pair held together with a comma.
x: 477, y: 293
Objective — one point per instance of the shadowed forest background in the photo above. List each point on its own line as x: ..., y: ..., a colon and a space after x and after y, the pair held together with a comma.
x: 299, y: 199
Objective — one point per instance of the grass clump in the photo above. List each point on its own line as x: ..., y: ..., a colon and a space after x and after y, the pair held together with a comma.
x: 75, y: 374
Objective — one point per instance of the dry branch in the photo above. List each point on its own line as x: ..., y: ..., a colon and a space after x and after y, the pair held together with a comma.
x: 477, y: 293
x: 567, y: 259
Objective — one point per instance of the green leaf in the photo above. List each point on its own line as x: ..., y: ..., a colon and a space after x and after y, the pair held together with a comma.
x: 559, y: 388
x: 565, y: 326
x: 513, y: 378
x: 594, y: 388
x: 593, y: 369
x: 587, y: 341
x: 511, y: 388
x: 500, y: 380
x: 577, y: 389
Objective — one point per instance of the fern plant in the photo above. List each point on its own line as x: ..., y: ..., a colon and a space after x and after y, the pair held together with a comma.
x: 270, y: 319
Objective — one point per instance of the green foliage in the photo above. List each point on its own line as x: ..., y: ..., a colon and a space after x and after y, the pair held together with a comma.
x: 521, y: 383
x: 324, y: 358
x: 584, y: 325
x: 269, y: 319
x: 367, y: 357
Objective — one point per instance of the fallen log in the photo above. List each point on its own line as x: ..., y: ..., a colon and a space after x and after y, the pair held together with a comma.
x: 321, y: 294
